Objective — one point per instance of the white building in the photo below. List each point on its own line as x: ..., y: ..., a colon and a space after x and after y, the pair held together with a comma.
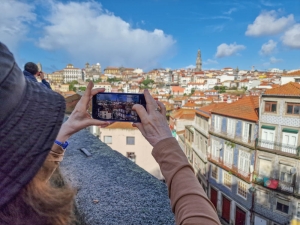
x: 105, y: 85
x: 129, y: 141
x: 70, y: 73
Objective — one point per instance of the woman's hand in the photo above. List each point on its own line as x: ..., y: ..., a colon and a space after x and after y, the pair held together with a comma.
x: 80, y: 118
x: 153, y: 124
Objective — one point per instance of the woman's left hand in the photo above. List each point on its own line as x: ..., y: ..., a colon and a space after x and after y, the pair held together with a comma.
x: 80, y: 118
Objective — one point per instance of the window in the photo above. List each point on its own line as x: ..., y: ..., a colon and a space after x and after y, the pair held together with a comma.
x: 270, y: 106
x: 297, y: 80
x: 247, y: 132
x: 131, y: 156
x: 282, y: 205
x: 217, y: 123
x: 244, y: 161
x: 289, y: 142
x: 228, y: 155
x: 242, y: 189
x: 129, y: 140
x: 293, y: 108
x: 214, y: 171
x: 285, y: 173
x: 265, y: 167
x: 215, y: 149
x: 227, y: 179
x: 108, y: 139
x: 298, y: 210
x: 230, y: 126
x: 262, y: 198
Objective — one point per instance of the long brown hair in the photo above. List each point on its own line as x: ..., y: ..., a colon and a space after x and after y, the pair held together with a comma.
x: 40, y: 203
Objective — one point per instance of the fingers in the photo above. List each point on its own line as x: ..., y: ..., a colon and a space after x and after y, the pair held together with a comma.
x: 82, y: 105
x: 141, y: 111
x: 96, y: 91
x: 162, y: 107
x: 151, y: 103
x: 140, y: 127
x: 94, y: 122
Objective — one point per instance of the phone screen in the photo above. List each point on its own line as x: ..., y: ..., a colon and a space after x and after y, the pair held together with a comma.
x: 117, y: 106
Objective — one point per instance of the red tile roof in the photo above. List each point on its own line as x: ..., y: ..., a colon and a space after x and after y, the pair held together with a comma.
x: 177, y: 89
x: 289, y: 89
x: 188, y: 114
x: 206, y: 110
x: 245, y: 108
x: 292, y: 74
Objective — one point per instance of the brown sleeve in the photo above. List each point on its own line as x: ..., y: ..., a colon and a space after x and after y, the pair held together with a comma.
x: 188, y: 199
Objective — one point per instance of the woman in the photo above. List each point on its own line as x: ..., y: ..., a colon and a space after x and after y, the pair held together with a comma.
x: 31, y: 121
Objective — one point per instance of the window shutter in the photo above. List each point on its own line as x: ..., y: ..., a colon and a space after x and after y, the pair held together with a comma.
x: 265, y: 167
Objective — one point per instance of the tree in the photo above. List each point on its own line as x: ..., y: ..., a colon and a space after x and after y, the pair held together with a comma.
x: 222, y: 89
x: 192, y: 91
x: 216, y: 88
x: 245, y: 88
x: 87, y: 80
x: 82, y: 88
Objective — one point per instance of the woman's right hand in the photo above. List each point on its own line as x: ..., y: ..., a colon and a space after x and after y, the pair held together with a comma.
x: 153, y: 124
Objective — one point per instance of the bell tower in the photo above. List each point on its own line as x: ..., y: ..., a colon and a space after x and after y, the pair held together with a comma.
x: 198, y: 61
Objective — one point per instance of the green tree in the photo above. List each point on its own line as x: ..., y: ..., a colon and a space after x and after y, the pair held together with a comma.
x: 216, y: 88
x: 82, y: 88
x: 192, y: 91
x: 222, y: 89
x: 245, y: 88
x: 147, y: 82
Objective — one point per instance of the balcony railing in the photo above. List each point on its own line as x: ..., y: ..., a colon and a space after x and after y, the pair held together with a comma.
x: 230, y: 167
x: 233, y: 136
x: 278, y: 146
x: 274, y: 183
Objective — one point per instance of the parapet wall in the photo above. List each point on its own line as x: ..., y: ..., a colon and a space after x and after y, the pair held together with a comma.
x: 111, y: 188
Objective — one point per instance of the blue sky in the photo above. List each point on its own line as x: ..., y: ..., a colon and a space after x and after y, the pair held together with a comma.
x: 153, y: 33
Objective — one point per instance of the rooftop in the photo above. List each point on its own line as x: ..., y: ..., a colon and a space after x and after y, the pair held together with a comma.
x: 188, y: 114
x: 245, y: 108
x: 110, y: 188
x: 289, y: 89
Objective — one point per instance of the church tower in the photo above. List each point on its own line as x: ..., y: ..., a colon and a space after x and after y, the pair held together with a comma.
x: 198, y: 61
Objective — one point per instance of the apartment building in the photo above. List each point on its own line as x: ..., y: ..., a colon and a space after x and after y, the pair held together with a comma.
x: 130, y: 142
x: 197, y: 143
x: 277, y: 160
x: 233, y: 132
x: 70, y: 73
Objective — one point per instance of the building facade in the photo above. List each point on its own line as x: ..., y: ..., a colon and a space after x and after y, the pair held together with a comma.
x: 70, y: 73
x: 233, y: 132
x: 277, y: 160
x: 129, y: 141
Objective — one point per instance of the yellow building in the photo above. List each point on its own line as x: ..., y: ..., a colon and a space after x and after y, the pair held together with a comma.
x: 111, y: 70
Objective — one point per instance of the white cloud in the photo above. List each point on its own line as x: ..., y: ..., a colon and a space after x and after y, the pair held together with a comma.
x: 210, y: 61
x: 89, y: 33
x: 268, y: 48
x: 224, y: 50
x: 273, y: 60
x: 190, y: 67
x: 291, y: 37
x: 14, y: 19
x: 230, y: 11
x: 268, y: 23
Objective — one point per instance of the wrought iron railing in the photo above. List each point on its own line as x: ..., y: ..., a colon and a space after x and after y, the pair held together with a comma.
x: 278, y: 146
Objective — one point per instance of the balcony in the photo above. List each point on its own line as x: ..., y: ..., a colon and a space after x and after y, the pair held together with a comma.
x: 239, y: 139
x: 200, y: 128
x: 278, y: 146
x: 199, y: 152
x: 274, y: 183
x: 230, y: 168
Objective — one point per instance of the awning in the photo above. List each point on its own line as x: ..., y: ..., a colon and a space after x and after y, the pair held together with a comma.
x: 288, y: 130
x: 268, y: 127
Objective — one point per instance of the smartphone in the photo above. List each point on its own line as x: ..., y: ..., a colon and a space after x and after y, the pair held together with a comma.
x: 117, y: 106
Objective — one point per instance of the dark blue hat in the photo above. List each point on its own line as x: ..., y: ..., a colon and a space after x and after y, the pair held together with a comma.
x: 30, y: 119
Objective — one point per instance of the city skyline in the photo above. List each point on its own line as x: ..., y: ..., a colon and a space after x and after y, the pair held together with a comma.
x: 153, y: 34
